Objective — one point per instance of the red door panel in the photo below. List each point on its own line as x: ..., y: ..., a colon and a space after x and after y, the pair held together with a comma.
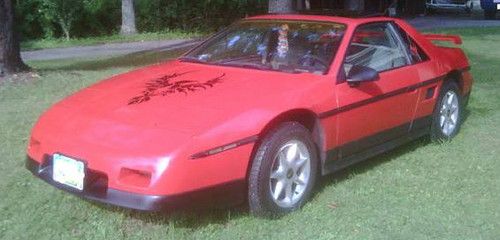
x: 376, y: 107
x: 429, y: 73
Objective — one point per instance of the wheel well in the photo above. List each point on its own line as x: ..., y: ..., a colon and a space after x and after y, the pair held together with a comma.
x: 303, y: 116
x: 456, y: 76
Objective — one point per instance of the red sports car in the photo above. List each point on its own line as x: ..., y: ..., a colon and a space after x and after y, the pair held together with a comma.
x: 256, y: 113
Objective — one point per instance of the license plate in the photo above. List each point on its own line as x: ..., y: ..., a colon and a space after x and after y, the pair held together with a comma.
x: 68, y: 171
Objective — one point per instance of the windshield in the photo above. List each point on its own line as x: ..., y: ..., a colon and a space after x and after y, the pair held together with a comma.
x: 287, y: 46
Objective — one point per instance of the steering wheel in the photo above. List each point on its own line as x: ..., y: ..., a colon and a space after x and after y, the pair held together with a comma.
x: 311, y: 60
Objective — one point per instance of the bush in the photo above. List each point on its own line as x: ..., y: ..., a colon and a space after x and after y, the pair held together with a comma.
x: 84, y: 18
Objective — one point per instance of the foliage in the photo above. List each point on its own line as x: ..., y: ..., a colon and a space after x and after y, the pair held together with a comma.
x: 63, y: 12
x: 83, y: 18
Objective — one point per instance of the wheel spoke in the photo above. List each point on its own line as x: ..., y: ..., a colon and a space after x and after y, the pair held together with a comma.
x: 445, y: 127
x: 300, y: 163
x: 283, y: 163
x: 299, y: 181
x: 453, y: 120
x: 278, y: 189
x: 444, y: 106
x: 277, y: 174
x: 451, y: 126
x: 292, y: 153
x: 451, y: 96
x: 453, y: 109
x: 289, y: 192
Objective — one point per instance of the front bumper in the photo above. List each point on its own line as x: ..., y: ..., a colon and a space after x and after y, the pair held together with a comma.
x: 223, y: 195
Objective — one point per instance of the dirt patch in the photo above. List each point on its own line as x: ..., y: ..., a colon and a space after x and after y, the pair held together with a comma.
x: 19, y: 78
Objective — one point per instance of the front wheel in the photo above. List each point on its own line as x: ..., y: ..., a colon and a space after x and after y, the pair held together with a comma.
x: 447, y: 116
x: 283, y: 171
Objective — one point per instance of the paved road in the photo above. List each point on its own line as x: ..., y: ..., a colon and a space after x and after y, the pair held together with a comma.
x: 110, y: 49
x: 113, y: 49
x: 433, y: 22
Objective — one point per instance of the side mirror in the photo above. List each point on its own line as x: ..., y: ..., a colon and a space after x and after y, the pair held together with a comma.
x: 359, y: 74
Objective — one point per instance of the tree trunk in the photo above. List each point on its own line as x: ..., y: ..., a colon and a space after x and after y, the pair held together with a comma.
x: 10, y: 53
x: 354, y: 5
x: 307, y: 4
x: 128, y: 18
x: 281, y: 6
x: 66, y: 29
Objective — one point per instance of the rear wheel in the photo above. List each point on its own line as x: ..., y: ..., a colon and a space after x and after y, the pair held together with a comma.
x: 283, y: 171
x: 447, y: 116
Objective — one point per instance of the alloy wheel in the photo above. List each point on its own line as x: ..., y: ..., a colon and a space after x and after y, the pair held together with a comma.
x: 290, y: 173
x: 449, y: 113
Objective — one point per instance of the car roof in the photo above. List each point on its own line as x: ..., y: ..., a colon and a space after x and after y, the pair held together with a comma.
x: 320, y: 18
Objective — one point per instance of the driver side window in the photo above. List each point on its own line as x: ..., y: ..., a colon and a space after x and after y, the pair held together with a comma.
x: 375, y: 46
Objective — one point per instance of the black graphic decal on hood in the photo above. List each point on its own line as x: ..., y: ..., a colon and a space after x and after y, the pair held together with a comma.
x: 164, y: 86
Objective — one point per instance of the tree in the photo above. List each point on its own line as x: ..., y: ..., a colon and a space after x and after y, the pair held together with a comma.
x: 280, y: 6
x: 128, y: 18
x: 10, y: 53
x: 63, y: 12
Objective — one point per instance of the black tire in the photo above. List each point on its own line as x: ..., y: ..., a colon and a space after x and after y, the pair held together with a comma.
x: 490, y: 15
x: 260, y: 199
x: 437, y: 132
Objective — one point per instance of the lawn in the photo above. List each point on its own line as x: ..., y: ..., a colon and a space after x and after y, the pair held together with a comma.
x: 419, y: 191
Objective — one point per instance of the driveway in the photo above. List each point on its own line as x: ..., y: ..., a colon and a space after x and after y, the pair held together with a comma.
x: 450, y: 21
x: 104, y: 50
x: 114, y: 49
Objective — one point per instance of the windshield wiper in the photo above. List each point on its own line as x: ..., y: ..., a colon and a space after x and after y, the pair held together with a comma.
x: 191, y: 59
x: 248, y: 57
x: 237, y: 64
x: 249, y: 65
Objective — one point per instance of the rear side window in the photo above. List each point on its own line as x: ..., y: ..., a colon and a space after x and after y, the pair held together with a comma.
x: 377, y: 46
x: 416, y: 53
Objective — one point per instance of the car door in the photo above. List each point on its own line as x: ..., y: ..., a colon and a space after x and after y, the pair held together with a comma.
x: 373, y: 113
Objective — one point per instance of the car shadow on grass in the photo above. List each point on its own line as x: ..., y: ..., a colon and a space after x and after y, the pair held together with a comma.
x: 181, y: 218
x: 370, y: 164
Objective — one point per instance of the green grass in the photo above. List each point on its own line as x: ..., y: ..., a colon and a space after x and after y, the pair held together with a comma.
x: 116, y: 38
x: 419, y: 191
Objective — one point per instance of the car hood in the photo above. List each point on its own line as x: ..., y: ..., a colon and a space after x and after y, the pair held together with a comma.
x: 187, y: 99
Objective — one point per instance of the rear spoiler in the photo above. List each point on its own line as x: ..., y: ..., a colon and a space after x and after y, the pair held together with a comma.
x: 441, y: 37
